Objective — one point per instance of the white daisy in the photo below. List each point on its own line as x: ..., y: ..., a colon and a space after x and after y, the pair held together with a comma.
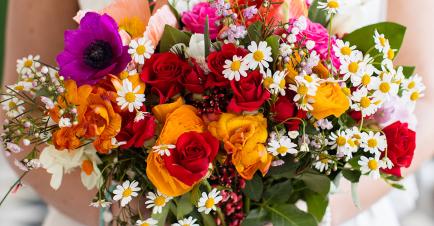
x: 163, y: 149
x: 208, y: 201
x: 129, y: 97
x: 366, y: 78
x: 157, y: 201
x: 126, y: 192
x: 21, y: 86
x: 373, y: 142
x: 388, y: 56
x: 190, y: 221
x: 413, y: 83
x: 276, y: 83
x: 293, y: 134
x: 353, y: 65
x: 343, y: 49
x: 235, y: 68
x: 381, y: 43
x: 365, y: 103
x: 338, y: 140
x: 260, y: 55
x: 331, y: 6
x: 147, y: 222
x: 386, y: 87
x: 281, y: 146
x: 370, y: 166
x: 412, y: 95
x: 140, y: 50
x: 27, y: 65
x: 100, y: 203
x: 12, y: 106
x: 322, y: 161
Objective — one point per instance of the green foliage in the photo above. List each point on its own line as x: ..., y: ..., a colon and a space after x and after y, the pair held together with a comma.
x: 208, y: 220
x: 318, y: 15
x: 256, y: 217
x: 316, y: 204
x: 254, y: 33
x: 289, y: 215
x: 172, y: 36
x: 161, y: 217
x: 206, y: 37
x: 408, y: 71
x: 184, y: 206
x: 351, y: 175
x: 254, y: 188
x: 316, y: 182
x: 278, y: 193
x: 273, y: 42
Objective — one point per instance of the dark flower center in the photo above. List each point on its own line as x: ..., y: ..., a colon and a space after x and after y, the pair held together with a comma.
x: 98, y: 54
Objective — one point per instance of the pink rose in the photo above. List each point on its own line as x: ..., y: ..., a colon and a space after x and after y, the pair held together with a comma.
x: 194, y: 20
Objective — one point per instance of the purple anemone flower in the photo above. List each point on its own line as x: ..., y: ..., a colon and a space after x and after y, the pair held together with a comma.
x: 93, y: 51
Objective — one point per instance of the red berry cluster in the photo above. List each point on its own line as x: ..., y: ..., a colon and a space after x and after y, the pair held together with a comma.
x: 214, y: 101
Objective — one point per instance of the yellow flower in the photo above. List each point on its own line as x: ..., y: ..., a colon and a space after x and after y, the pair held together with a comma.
x: 244, y: 137
x: 329, y: 100
x: 295, y: 59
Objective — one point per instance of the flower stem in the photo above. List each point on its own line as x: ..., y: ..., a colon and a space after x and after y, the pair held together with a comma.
x: 12, y: 187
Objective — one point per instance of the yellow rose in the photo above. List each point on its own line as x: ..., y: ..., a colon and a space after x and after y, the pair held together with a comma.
x: 244, y: 137
x: 329, y: 100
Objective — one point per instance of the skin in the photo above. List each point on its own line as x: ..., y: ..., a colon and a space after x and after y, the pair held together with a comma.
x: 27, y: 32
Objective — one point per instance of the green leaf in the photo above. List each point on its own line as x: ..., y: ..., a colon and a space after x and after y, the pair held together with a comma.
x: 316, y: 182
x: 316, y: 204
x: 161, y: 217
x: 289, y: 215
x: 351, y: 175
x: 206, y: 37
x: 318, y: 15
x: 408, y: 71
x: 287, y: 170
x: 254, y: 188
x: 256, y: 217
x: 254, y: 33
x: 208, y: 220
x: 278, y: 193
x: 184, y: 206
x: 398, y: 186
x: 273, y: 42
x: 172, y: 36
x: 363, y: 38
x: 195, y: 194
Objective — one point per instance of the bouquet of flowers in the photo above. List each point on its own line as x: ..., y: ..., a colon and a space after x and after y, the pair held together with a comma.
x: 216, y: 112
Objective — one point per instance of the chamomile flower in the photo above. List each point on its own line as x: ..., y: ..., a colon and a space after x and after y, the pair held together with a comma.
x: 413, y: 95
x: 140, y: 50
x: 163, y: 149
x: 322, y: 161
x: 370, y: 166
x: 305, y: 86
x: 365, y: 103
x: 28, y: 64
x: 353, y: 65
x: 343, y: 49
x: 331, y: 6
x: 190, y: 221
x: 147, y: 222
x: 281, y: 146
x: 208, y: 201
x: 414, y: 82
x: 259, y: 56
x: 388, y: 56
x: 373, y: 142
x: 21, y: 86
x: 157, y: 201
x: 366, y: 78
x: 386, y: 86
x: 126, y: 192
x: 100, y: 203
x: 12, y: 106
x: 381, y: 43
x: 129, y: 97
x: 235, y: 68
x: 275, y: 83
x: 338, y: 140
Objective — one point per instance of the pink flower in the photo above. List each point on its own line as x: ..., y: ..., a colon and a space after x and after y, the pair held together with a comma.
x: 396, y: 109
x: 156, y: 23
x: 194, y: 20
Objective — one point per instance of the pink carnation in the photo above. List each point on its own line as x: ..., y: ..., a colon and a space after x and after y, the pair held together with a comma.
x: 194, y: 20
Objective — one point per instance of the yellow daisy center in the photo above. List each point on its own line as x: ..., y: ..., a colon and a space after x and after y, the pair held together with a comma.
x: 366, y: 79
x: 87, y: 167
x: 28, y: 63
x: 282, y: 84
x: 160, y: 201
x: 390, y: 54
x: 141, y: 49
x: 333, y: 4
x: 282, y: 150
x: 372, y: 143
x: 373, y: 164
x: 323, y: 158
x: 411, y: 85
x: 365, y: 102
x: 267, y: 82
x: 414, y: 96
x: 186, y: 225
x: 351, y: 142
x: 127, y: 192
x: 346, y: 51
x: 209, y: 203
x: 123, y: 75
x: 353, y: 67
x: 341, y: 141
x: 130, y: 97
x: 145, y: 224
x: 258, y: 55
x: 12, y: 105
x: 308, y: 78
x: 382, y: 41
x: 384, y: 87
x: 302, y: 90
x: 236, y: 65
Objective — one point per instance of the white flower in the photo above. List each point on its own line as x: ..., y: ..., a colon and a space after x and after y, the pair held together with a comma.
x: 129, y: 97
x: 13, y: 147
x: 331, y: 6
x: 311, y: 62
x: 386, y: 87
x: 381, y: 43
x: 387, y: 163
x: 21, y: 86
x: 310, y: 44
x: 365, y: 78
x: 235, y: 68
x: 140, y: 50
x: 190, y: 221
x: 292, y: 38
x: 157, y: 201
x: 343, y: 49
x: 163, y: 149
x: 147, y: 222
x: 304, y: 147
x: 293, y: 134
x: 100, y: 203
x: 260, y: 55
x: 322, y: 161
x: 65, y: 122
x: 116, y: 143
x: 196, y: 47
x: 281, y: 145
x: 324, y: 124
x: 413, y: 88
x: 48, y: 102
x: 28, y: 64
x: 368, y: 105
x: 276, y: 83
x: 353, y: 65
x: 208, y: 201
x: 370, y: 166
x: 182, y: 6
x: 338, y: 140
x: 126, y: 192
x: 301, y: 23
x: 373, y: 142
x: 91, y: 176
x: 285, y: 50
x: 12, y: 106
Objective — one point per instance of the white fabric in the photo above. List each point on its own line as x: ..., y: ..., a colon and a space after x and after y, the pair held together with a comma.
x: 56, y: 218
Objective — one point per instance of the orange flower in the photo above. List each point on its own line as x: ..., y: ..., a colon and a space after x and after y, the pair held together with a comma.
x: 178, y: 120
x: 244, y: 137
x: 329, y: 100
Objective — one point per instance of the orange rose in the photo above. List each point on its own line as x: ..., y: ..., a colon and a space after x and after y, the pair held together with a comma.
x: 329, y: 100
x: 178, y: 120
x: 244, y: 137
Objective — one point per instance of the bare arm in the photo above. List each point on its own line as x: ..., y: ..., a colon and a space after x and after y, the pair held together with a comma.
x: 36, y: 27
x: 417, y: 50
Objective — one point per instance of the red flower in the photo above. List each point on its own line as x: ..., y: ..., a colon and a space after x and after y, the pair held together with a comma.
x: 216, y: 61
x: 249, y: 93
x: 163, y: 72
x: 195, y: 80
x: 401, y: 142
x: 136, y: 133
x: 284, y: 109
x: 190, y: 160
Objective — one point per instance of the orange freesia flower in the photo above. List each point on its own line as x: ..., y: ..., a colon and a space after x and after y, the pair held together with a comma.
x: 178, y: 121
x: 244, y: 137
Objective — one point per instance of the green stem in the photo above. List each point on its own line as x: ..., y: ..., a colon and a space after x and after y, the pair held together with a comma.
x: 12, y: 187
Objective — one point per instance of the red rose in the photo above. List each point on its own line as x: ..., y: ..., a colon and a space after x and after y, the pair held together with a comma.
x: 216, y: 61
x: 135, y: 133
x: 284, y: 109
x: 163, y: 72
x: 249, y: 93
x: 401, y: 142
x: 189, y: 161
x: 195, y: 80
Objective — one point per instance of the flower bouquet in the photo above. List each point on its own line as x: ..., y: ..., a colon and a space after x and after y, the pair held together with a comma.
x: 215, y: 112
